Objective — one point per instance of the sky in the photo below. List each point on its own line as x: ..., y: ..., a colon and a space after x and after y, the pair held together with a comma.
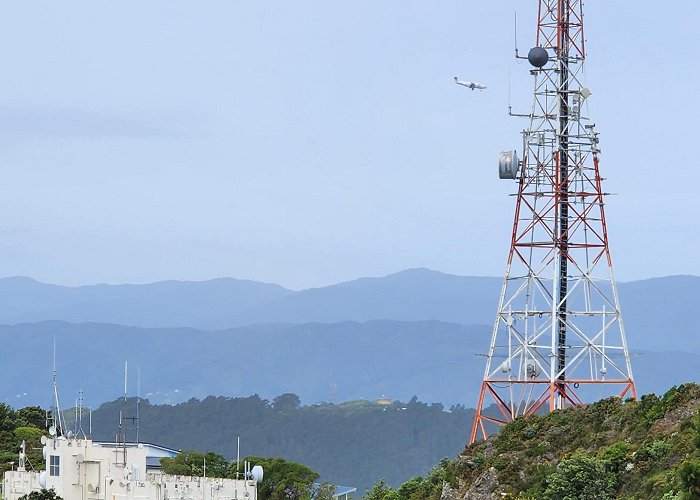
x: 311, y: 142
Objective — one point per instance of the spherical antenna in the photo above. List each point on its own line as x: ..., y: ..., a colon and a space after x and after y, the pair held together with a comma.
x: 538, y: 57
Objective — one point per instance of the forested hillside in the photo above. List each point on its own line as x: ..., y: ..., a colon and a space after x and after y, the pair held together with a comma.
x: 354, y: 443
x: 438, y: 362
x: 610, y: 449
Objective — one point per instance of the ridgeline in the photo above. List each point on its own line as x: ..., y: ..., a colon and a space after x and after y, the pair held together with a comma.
x: 610, y: 449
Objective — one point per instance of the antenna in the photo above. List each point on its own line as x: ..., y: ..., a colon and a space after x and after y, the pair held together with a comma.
x: 238, y: 455
x: 79, y: 415
x: 138, y: 399
x: 126, y: 422
x: 515, y: 33
x: 510, y: 108
x: 56, y: 419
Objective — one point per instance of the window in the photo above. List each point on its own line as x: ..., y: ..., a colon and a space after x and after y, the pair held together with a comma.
x: 54, y: 465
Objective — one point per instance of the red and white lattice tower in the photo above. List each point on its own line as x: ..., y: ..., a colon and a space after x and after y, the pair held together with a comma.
x: 558, y: 338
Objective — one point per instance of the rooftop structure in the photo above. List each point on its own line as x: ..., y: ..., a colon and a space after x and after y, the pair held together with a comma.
x: 87, y: 470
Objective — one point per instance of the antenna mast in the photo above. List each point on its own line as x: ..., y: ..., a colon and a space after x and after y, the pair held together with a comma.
x: 558, y: 332
x: 57, y: 419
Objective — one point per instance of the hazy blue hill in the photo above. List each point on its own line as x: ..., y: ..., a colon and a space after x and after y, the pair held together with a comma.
x: 204, y: 304
x: 411, y: 295
x: 366, y: 360
x: 659, y: 313
x: 433, y: 360
x: 656, y: 311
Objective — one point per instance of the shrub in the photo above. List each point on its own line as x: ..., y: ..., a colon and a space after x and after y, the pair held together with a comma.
x: 580, y: 477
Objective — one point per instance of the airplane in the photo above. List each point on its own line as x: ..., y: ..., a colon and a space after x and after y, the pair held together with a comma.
x: 470, y: 85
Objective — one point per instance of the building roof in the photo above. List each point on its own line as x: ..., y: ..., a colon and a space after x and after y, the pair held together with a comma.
x: 343, y: 490
x: 339, y: 490
x: 105, y: 444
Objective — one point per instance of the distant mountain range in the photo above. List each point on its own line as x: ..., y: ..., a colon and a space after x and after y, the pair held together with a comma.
x: 656, y: 311
x: 436, y: 361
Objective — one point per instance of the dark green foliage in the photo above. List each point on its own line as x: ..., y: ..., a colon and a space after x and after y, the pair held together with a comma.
x: 689, y: 470
x: 352, y: 443
x: 282, y: 479
x: 380, y: 491
x: 285, y: 480
x: 193, y: 463
x: 33, y: 416
x: 18, y: 426
x: 41, y: 495
x: 580, y: 478
x: 609, y: 449
x: 286, y: 403
x: 323, y: 491
x: 689, y: 475
x: 428, y: 487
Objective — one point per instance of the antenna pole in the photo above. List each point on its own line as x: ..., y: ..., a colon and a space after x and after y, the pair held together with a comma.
x: 238, y: 455
x: 515, y: 33
x: 563, y: 193
x: 138, y: 398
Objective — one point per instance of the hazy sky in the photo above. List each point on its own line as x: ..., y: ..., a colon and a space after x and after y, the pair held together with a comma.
x: 310, y: 142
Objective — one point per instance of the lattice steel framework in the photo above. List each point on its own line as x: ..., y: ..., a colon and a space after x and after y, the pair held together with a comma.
x: 558, y: 331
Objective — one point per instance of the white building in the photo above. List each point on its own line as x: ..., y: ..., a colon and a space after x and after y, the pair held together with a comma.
x: 80, y: 469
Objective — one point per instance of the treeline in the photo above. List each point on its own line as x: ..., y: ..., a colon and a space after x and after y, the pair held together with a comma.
x: 609, y: 449
x: 354, y: 443
x: 26, y: 425
x: 282, y: 479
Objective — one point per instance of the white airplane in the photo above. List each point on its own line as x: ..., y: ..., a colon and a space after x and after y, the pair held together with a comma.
x: 470, y: 85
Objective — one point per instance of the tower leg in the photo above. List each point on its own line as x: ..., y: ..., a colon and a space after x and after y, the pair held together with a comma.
x: 477, y: 417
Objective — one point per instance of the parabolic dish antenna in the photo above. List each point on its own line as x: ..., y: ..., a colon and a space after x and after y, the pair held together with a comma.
x: 52, y: 430
x: 257, y: 473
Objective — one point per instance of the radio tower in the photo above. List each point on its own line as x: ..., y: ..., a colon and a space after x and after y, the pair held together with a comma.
x: 558, y: 338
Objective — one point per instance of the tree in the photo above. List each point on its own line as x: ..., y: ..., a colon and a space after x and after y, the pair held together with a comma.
x: 41, y: 495
x: 381, y: 491
x: 191, y: 463
x: 33, y: 416
x: 286, y: 403
x: 284, y: 480
x: 323, y: 491
x: 689, y: 474
x: 580, y: 478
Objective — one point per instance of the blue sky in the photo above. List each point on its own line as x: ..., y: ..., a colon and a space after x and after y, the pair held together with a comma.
x: 311, y: 142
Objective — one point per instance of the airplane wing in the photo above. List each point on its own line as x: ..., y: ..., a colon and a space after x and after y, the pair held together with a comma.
x: 469, y: 85
x: 464, y: 84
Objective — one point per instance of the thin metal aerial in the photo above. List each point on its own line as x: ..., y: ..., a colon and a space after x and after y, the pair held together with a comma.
x: 558, y: 338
